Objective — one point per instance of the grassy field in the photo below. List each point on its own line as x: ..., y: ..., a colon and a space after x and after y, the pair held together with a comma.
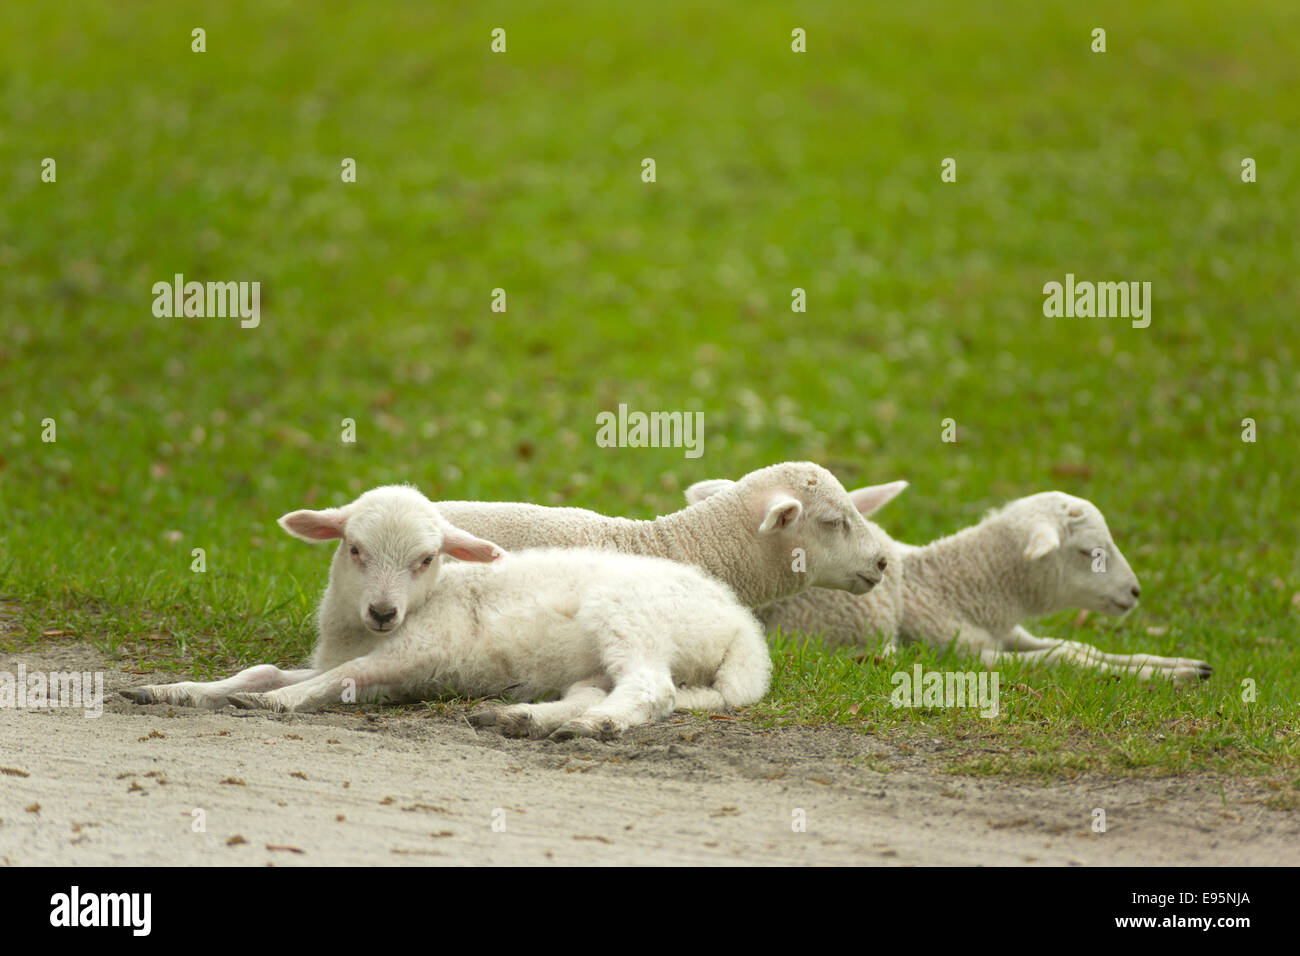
x: 775, y: 170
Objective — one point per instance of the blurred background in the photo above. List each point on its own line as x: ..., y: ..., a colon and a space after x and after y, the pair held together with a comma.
x: 522, y: 171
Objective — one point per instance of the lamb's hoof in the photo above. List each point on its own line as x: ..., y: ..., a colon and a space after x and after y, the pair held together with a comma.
x: 1191, y: 672
x: 600, y: 729
x: 484, y: 718
x: 516, y: 723
x: 172, y: 694
x: 255, y: 702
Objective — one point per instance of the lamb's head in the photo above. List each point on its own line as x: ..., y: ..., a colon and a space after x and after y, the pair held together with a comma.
x: 806, y: 521
x: 386, y: 564
x: 1073, y: 562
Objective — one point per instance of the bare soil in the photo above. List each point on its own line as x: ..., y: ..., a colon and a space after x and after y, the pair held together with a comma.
x: 353, y: 787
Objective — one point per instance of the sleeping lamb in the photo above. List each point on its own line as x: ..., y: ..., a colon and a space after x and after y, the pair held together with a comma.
x: 773, y: 533
x: 1037, y: 555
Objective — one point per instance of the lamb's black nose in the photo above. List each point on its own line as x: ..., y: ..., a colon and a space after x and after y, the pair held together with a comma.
x: 382, y: 615
x: 1136, y: 591
x: 882, y: 564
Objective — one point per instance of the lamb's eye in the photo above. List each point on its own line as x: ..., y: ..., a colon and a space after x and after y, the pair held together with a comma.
x: 427, y: 561
x: 356, y: 551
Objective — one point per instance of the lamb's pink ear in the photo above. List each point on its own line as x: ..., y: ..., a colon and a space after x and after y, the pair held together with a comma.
x: 781, y: 511
x: 874, y: 497
x: 706, y: 489
x: 315, y: 525
x: 1043, y: 539
x: 465, y: 547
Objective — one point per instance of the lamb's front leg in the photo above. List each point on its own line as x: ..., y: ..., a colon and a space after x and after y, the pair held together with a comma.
x: 539, y: 720
x: 641, y: 694
x: 263, y: 677
x: 1143, y: 666
x: 377, y: 676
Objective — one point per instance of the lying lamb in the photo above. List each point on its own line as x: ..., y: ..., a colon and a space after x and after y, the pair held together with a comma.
x: 771, y: 534
x: 627, y: 639
x: 1037, y: 555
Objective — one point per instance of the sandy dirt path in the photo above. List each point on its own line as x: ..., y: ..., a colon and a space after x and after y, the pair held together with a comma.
x: 353, y: 788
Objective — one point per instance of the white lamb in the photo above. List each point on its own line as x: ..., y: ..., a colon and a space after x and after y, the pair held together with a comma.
x: 627, y: 639
x: 773, y: 533
x: 1037, y: 555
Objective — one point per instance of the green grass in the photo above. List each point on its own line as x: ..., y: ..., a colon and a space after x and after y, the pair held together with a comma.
x: 1049, y: 722
x: 775, y: 170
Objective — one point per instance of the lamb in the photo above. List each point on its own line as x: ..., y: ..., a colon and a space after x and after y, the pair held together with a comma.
x: 1037, y: 555
x: 771, y: 534
x: 626, y: 638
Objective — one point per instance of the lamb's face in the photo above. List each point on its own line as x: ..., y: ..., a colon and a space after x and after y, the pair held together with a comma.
x: 1073, y: 556
x: 844, y: 550
x: 808, y: 521
x: 387, y: 562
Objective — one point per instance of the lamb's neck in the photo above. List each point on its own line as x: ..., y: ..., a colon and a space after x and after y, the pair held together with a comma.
x: 708, y: 535
x: 975, y: 572
x: 342, y: 635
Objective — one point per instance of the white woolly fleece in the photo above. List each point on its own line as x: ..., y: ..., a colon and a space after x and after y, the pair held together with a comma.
x: 771, y: 534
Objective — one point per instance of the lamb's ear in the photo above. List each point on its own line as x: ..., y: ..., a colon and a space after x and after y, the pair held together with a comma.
x: 1043, y: 539
x: 871, y: 499
x: 781, y: 511
x: 465, y: 547
x: 315, y: 525
x: 705, y: 489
